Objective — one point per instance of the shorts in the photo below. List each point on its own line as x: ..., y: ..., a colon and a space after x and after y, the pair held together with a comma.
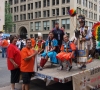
x: 26, y: 76
x: 15, y: 75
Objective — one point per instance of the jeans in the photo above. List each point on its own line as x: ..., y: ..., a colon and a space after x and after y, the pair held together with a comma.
x: 4, y: 52
x: 98, y: 51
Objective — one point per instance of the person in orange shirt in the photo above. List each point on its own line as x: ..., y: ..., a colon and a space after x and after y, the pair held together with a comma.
x: 67, y: 52
x: 4, y: 45
x: 27, y: 64
x: 33, y: 42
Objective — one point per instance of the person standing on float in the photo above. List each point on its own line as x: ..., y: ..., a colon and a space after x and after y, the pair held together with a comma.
x: 83, y: 36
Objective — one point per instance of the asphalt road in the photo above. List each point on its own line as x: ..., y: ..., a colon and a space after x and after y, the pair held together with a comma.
x: 34, y: 85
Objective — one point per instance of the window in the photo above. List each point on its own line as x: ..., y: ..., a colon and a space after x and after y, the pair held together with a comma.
x: 57, y: 11
x: 24, y: 7
x: 36, y: 15
x: 24, y: 16
x: 28, y: 6
x: 44, y: 3
x: 57, y: 2
x: 99, y: 9
x: 68, y: 1
x: 48, y: 13
x: 85, y: 3
x: 31, y: 35
x: 44, y: 13
x: 31, y: 5
x: 37, y: 25
x: 46, y: 25
x: 36, y: 5
x: 39, y: 4
x: 14, y: 17
x: 21, y: 17
x: 14, y: 27
x: 21, y: 8
x: 15, y: 9
x: 11, y: 10
x: 66, y: 23
x: 86, y: 23
x: 36, y: 36
x: 63, y: 11
x: 67, y: 9
x: 53, y: 2
x: 79, y: 1
x: 10, y: 2
x: 53, y: 12
x: 48, y: 2
x: 31, y: 26
x: 99, y: 17
x: 31, y: 15
x: 95, y: 7
x: 78, y: 10
x: 39, y: 13
x: 95, y: 16
x: 17, y: 18
x: 45, y: 36
x: 15, y: 1
x: 91, y: 15
x: 22, y: 0
x: 90, y: 24
x: 63, y: 1
x: 53, y: 22
x: 28, y: 15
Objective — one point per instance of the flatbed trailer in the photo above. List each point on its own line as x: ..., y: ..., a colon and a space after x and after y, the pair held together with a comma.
x: 51, y: 75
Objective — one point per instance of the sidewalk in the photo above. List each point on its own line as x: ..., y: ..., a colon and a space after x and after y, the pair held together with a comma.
x: 18, y: 86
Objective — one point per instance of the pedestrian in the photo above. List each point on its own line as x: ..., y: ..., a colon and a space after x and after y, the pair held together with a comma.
x: 4, y: 45
x: 13, y: 61
x: 33, y: 41
x: 27, y: 63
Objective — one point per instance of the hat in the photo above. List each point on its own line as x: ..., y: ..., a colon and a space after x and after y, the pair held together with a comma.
x: 81, y: 18
x: 39, y: 34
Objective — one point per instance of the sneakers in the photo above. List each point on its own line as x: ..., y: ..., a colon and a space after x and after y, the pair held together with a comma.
x: 60, y: 68
x: 83, y: 67
x: 70, y: 68
x: 40, y: 68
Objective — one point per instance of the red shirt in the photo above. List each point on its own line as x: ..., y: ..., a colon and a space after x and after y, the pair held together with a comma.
x: 13, y: 53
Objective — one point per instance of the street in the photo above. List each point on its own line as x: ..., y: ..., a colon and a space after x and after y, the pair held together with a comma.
x: 34, y: 85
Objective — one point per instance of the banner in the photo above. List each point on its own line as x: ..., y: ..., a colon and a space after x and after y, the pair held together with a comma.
x: 87, y: 80
x: 2, y: 14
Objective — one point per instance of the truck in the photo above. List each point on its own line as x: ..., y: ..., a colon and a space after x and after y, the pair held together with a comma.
x: 50, y: 74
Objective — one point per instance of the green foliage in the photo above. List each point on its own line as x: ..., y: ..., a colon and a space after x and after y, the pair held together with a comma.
x: 8, y: 19
x: 98, y: 34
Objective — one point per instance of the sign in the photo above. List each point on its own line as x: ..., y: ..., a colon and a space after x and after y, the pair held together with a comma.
x: 2, y: 14
x: 87, y: 80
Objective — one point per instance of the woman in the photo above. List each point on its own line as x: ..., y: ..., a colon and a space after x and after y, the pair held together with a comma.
x: 13, y: 61
x: 67, y: 52
x: 51, y: 51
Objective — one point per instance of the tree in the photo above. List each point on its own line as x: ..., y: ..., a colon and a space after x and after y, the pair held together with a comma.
x: 8, y: 19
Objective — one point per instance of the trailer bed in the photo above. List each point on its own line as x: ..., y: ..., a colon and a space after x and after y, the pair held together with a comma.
x: 63, y: 76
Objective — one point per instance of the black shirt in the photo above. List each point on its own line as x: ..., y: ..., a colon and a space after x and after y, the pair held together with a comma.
x: 58, y: 35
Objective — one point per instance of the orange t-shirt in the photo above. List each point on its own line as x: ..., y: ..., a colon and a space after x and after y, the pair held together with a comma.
x: 27, y: 66
x: 5, y: 43
x: 33, y: 42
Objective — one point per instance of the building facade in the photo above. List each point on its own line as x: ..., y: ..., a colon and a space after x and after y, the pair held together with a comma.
x: 33, y: 16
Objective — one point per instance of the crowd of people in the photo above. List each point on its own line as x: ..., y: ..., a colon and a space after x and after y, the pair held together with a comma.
x: 21, y: 53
